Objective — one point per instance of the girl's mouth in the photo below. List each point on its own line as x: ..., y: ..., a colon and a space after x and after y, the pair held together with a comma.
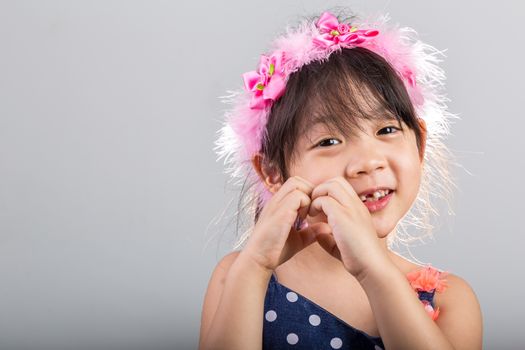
x: 379, y: 202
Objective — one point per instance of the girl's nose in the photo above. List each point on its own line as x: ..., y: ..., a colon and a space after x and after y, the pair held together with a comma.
x: 365, y: 160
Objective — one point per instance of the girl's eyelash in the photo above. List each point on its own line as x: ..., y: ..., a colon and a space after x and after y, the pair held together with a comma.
x: 392, y: 127
x: 386, y: 127
x: 330, y: 138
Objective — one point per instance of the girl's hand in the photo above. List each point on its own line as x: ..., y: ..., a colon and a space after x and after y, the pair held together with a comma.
x: 275, y: 239
x: 353, y: 238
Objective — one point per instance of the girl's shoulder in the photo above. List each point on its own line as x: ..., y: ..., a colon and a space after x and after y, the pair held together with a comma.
x: 453, y: 297
x: 447, y: 285
x: 428, y: 277
x: 457, y: 305
x: 457, y: 293
x: 448, y: 289
x: 454, y: 300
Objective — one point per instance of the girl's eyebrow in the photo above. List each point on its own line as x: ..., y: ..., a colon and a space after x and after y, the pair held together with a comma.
x: 313, y: 131
x: 388, y: 118
x: 312, y: 123
x: 319, y: 124
x: 316, y: 125
x: 317, y: 128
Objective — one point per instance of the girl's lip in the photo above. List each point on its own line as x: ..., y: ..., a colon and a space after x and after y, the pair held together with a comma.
x: 380, y: 204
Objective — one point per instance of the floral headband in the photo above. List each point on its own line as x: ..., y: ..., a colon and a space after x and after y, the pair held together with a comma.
x: 242, y: 134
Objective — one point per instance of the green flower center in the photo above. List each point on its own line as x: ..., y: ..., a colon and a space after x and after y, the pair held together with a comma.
x: 272, y: 69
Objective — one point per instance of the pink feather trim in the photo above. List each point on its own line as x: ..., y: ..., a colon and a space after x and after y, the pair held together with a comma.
x: 415, y: 63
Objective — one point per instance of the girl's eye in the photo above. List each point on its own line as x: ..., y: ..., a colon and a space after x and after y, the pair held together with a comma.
x: 328, y: 142
x: 390, y: 128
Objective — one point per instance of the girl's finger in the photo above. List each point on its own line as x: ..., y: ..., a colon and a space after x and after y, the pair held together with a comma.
x: 335, y: 190
x: 293, y: 183
x: 328, y: 243
x: 346, y: 186
x: 303, y: 238
x: 323, y: 204
x: 301, y: 216
x: 298, y: 201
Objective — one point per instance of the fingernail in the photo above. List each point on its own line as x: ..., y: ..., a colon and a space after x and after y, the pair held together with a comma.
x: 300, y: 224
x: 297, y: 224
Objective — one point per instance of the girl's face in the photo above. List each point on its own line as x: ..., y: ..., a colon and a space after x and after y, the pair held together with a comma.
x: 382, y: 155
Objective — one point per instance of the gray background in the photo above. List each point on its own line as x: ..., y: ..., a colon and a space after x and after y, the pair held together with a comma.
x: 110, y: 191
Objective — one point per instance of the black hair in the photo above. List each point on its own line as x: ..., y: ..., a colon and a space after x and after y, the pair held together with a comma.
x: 351, y: 85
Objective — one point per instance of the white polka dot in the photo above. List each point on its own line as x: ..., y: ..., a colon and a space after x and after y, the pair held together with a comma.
x: 292, y: 338
x: 292, y: 297
x: 271, y: 316
x: 377, y: 347
x: 314, y: 320
x: 336, y: 343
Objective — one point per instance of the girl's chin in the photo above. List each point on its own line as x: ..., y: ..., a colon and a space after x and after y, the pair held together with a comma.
x: 383, y: 229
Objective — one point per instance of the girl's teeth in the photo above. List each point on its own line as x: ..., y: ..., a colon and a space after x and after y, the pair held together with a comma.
x: 375, y: 196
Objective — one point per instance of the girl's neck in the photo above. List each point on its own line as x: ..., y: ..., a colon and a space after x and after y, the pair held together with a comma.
x: 316, y: 258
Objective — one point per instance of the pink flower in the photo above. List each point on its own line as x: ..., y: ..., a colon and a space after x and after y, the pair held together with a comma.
x: 427, y: 279
x: 334, y: 33
x: 343, y: 28
x: 268, y: 82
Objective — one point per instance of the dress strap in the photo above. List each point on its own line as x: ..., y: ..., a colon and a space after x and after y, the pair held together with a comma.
x: 426, y: 282
x: 273, y: 277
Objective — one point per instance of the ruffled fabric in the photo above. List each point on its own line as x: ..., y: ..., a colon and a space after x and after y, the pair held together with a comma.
x: 244, y: 128
x: 428, y: 280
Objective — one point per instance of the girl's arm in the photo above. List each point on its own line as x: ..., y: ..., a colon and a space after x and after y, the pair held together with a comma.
x: 403, y: 322
x: 232, y: 314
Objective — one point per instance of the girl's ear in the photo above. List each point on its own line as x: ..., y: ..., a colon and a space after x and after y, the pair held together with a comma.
x: 269, y: 174
x: 423, y: 127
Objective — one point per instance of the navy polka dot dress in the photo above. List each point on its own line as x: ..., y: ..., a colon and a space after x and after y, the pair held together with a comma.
x: 292, y: 321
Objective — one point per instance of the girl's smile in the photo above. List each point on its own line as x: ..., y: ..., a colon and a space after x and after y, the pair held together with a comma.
x: 377, y: 204
x: 381, y: 162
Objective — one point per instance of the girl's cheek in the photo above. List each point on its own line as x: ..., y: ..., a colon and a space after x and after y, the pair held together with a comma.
x: 322, y: 171
x: 307, y: 172
x: 316, y: 170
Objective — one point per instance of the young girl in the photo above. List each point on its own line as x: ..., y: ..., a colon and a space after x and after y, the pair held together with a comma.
x: 339, y: 132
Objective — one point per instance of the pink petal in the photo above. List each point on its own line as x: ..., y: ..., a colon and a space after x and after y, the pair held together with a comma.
x: 371, y: 32
x: 257, y: 102
x: 327, y: 22
x: 324, y: 40
x: 251, y: 79
x: 275, y: 88
x: 348, y: 38
x: 263, y: 64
